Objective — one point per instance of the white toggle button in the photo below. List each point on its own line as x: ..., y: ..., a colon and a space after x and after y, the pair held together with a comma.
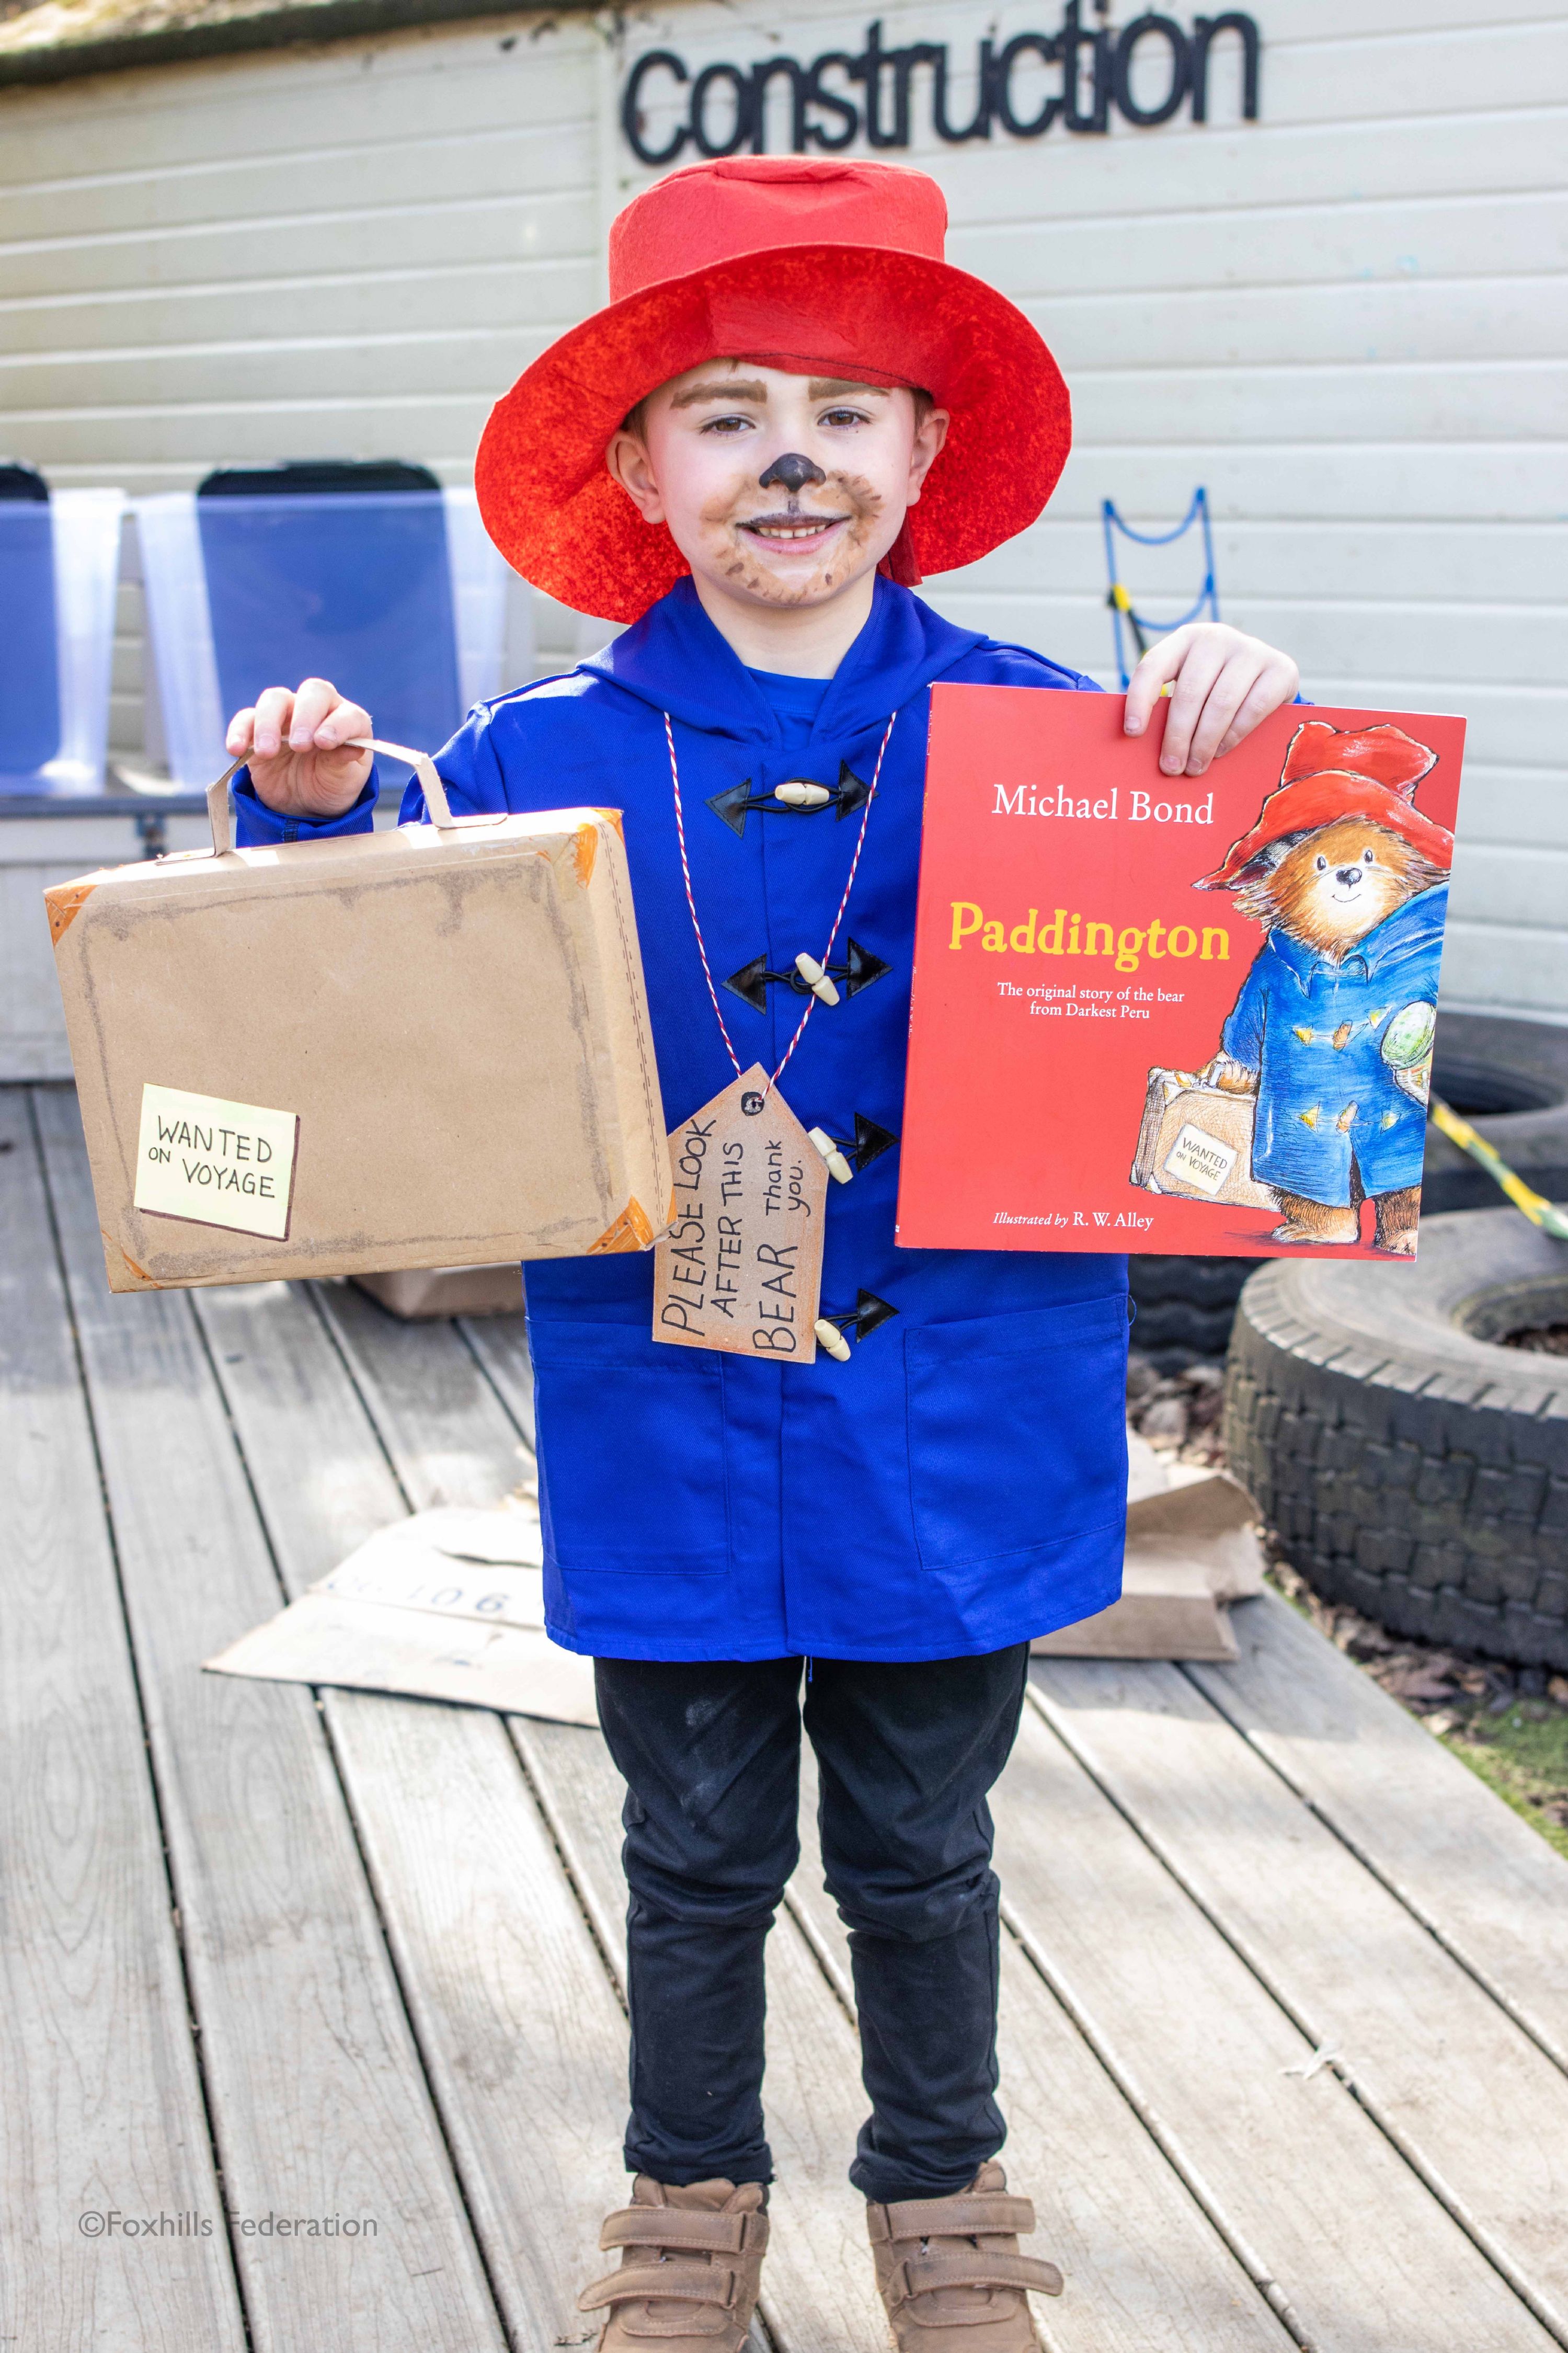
x: 817, y: 980
x: 802, y: 796
x: 837, y: 1164
x: 830, y: 1337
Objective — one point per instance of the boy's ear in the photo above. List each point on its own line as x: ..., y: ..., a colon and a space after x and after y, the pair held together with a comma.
x: 626, y: 459
x: 931, y: 432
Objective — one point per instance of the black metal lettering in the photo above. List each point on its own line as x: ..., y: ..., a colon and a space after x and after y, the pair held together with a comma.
x: 1139, y: 29
x: 847, y: 111
x: 1206, y: 30
x: 979, y: 124
x: 868, y: 69
x: 631, y: 108
x: 1049, y: 49
x: 799, y: 90
x: 1073, y: 38
x: 740, y: 84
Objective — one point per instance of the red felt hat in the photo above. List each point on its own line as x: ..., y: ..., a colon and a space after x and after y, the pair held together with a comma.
x: 817, y: 267
x: 1332, y: 773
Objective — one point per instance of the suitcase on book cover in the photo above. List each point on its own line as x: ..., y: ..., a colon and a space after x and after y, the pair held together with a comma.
x: 1196, y: 1140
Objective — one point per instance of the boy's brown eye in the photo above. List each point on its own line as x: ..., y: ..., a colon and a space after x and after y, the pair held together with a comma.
x: 844, y: 417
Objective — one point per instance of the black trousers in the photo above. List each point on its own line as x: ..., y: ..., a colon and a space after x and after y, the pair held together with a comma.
x: 906, y: 1755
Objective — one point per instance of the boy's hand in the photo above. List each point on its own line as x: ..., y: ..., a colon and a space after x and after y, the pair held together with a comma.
x: 1225, y: 683
x: 295, y: 743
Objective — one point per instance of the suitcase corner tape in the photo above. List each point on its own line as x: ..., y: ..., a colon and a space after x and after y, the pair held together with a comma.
x: 216, y: 1163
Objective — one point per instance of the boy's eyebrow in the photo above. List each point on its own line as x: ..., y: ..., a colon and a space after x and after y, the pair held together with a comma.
x: 731, y: 388
x: 829, y: 387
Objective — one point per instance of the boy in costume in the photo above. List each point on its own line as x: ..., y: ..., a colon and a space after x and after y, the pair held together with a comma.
x: 791, y: 407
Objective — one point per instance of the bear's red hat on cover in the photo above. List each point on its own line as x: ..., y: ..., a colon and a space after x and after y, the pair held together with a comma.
x: 819, y: 268
x: 1332, y: 773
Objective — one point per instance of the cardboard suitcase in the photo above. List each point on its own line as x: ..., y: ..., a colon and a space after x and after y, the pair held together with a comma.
x: 1196, y: 1140
x: 427, y: 1047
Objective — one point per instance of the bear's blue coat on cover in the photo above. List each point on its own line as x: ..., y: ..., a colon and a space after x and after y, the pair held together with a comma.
x: 1317, y: 1103
x: 960, y: 1483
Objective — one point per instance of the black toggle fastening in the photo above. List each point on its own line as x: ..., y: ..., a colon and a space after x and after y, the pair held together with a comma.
x: 868, y: 1144
x: 850, y: 794
x: 868, y: 1315
x: 858, y: 971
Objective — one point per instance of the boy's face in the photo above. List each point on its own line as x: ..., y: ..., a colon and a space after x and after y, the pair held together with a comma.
x: 780, y: 490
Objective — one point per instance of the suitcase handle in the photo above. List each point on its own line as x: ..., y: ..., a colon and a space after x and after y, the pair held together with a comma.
x: 424, y: 767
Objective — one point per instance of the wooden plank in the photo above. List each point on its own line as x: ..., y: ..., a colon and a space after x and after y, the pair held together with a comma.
x: 319, y: 2102
x: 440, y: 1421
x: 1482, y: 1881
x: 1476, y: 2107
x: 1146, y: 2271
x: 511, y: 2004
x: 102, y: 2108
x: 499, y: 1342
x: 1292, y: 2169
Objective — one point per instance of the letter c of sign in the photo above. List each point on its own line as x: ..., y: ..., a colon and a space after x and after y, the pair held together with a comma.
x: 631, y: 111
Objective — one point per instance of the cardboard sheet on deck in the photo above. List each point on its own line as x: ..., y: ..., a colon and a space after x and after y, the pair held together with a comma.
x: 1193, y: 1549
x: 449, y: 1604
x: 427, y: 1046
x: 446, y: 1604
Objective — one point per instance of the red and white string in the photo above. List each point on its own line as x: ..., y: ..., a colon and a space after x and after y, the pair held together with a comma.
x: 812, y: 1000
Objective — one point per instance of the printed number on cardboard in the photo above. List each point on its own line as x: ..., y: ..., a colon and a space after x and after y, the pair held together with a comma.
x: 216, y: 1163
x: 741, y: 1267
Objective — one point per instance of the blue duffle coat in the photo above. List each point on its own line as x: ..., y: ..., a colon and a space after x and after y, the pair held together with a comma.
x: 960, y: 1483
x: 1314, y: 1031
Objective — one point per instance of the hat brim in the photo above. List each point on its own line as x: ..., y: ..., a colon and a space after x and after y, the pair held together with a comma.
x: 558, y: 517
x: 1312, y: 802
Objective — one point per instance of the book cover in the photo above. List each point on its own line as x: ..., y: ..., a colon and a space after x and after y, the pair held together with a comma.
x: 1191, y: 1015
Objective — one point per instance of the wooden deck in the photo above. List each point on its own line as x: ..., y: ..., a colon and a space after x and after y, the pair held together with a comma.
x: 1285, y: 2025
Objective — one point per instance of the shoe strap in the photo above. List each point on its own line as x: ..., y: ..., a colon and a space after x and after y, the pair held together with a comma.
x: 923, y: 2274
x: 974, y: 2216
x: 684, y: 2282
x: 686, y: 2227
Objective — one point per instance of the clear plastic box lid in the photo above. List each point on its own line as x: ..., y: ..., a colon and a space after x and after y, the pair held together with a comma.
x: 399, y: 597
x: 59, y: 562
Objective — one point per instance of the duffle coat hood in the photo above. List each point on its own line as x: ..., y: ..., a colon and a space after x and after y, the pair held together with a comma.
x: 960, y: 1482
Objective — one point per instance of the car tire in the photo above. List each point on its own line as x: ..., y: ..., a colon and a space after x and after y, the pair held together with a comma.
x: 1407, y: 1462
x: 1509, y: 1077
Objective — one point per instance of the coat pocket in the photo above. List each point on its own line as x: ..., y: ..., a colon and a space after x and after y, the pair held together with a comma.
x: 1018, y: 1430
x: 632, y: 1474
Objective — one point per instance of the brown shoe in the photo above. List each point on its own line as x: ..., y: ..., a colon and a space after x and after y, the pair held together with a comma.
x: 690, y: 2261
x: 951, y: 2273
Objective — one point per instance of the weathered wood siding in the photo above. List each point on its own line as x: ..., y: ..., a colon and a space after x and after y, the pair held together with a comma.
x: 1343, y: 318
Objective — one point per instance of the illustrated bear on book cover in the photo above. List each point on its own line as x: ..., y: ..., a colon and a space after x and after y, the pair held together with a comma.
x: 1241, y: 1074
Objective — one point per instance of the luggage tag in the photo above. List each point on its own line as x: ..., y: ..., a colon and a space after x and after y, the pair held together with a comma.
x: 741, y: 1267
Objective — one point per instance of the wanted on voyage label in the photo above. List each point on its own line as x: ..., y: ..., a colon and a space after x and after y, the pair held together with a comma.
x: 216, y: 1163
x: 741, y: 1267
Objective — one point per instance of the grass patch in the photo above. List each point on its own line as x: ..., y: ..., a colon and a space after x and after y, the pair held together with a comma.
x: 1523, y: 1757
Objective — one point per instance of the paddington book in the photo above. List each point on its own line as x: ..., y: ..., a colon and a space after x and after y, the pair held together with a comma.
x: 1193, y: 1015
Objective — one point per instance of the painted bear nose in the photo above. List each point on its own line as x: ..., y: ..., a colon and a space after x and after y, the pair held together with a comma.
x: 792, y: 471
x: 1348, y: 874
